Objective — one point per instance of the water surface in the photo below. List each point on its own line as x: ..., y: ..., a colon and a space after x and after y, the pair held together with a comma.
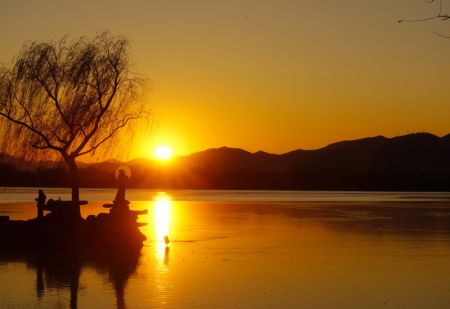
x: 251, y: 249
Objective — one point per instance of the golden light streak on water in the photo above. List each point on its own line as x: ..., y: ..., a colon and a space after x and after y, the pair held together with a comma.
x: 162, y: 217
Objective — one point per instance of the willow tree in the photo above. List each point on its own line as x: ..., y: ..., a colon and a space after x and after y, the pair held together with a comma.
x: 67, y: 99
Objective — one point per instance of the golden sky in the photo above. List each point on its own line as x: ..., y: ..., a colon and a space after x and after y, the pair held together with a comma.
x: 272, y: 75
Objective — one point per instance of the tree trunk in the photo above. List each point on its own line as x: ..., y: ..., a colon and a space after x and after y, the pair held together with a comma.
x: 74, y: 177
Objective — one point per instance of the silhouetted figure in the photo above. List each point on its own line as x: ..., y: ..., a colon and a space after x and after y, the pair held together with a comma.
x: 122, y: 181
x: 40, y: 203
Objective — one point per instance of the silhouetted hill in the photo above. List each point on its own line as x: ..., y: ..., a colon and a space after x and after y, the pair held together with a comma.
x: 410, y: 162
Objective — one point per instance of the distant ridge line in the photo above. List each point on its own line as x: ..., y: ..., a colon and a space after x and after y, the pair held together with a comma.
x: 413, y: 162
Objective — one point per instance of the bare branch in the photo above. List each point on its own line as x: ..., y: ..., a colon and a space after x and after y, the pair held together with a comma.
x: 440, y: 15
x: 110, y: 135
x: 40, y: 134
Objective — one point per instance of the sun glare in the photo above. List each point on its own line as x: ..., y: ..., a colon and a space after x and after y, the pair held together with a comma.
x: 163, y: 153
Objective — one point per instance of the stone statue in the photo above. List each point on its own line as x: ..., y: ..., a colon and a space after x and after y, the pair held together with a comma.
x: 122, y: 181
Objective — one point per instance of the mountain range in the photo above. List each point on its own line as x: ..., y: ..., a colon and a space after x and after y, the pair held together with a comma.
x: 417, y: 162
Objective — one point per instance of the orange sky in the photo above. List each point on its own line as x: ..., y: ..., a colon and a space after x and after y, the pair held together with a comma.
x: 264, y: 75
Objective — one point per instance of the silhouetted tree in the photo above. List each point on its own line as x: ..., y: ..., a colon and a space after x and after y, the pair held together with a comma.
x: 67, y: 99
x: 439, y: 14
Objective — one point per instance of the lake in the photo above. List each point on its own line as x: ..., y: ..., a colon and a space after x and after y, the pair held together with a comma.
x: 252, y: 249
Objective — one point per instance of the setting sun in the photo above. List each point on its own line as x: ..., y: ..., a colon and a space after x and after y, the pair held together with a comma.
x: 163, y: 153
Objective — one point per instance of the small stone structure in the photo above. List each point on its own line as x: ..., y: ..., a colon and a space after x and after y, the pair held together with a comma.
x: 117, y: 229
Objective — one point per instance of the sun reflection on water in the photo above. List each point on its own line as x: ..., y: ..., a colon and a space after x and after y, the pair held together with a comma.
x: 162, y: 206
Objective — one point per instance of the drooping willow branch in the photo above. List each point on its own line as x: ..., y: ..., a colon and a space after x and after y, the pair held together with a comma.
x: 68, y: 98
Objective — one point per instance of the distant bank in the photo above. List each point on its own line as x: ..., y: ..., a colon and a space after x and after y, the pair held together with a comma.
x: 414, y: 162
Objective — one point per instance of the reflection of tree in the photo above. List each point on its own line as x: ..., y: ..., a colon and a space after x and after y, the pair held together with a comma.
x: 62, y: 269
x: 56, y: 271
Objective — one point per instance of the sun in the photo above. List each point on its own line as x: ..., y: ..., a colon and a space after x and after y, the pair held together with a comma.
x: 163, y: 152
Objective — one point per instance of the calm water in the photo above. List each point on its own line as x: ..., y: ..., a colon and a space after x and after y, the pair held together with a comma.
x: 253, y: 249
